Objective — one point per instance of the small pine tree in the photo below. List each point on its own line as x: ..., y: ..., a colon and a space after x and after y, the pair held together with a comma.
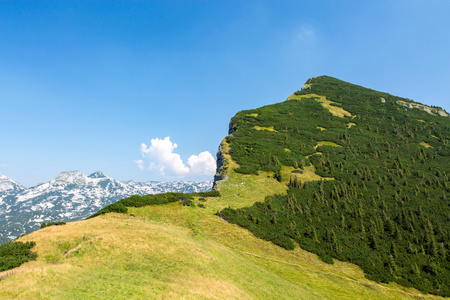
x: 342, y: 221
x: 372, y: 242
x: 393, y: 250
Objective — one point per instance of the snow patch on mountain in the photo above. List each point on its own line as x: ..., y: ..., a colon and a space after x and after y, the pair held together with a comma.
x: 8, y: 185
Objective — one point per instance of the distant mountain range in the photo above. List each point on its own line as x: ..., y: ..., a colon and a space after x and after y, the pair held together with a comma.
x: 71, y: 196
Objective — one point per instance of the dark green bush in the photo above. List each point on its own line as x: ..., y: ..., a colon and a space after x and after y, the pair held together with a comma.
x: 326, y: 258
x: 214, y: 193
x: 43, y: 225
x: 13, y: 254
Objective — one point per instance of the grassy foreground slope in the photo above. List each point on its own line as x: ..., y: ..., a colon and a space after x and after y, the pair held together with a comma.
x: 173, y: 251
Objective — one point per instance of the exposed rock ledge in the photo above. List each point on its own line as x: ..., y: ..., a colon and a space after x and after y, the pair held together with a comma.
x: 221, y: 160
x: 220, y: 172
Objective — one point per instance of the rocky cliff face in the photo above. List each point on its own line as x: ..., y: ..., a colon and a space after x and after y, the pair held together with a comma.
x: 220, y: 172
x: 221, y: 158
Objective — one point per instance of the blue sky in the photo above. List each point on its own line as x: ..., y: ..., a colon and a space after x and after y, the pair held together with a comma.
x: 114, y: 85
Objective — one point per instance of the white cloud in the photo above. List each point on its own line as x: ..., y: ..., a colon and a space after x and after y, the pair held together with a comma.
x: 203, y: 164
x: 4, y: 165
x: 162, y: 157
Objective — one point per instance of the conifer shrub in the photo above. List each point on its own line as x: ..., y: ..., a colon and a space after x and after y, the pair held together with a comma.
x: 213, y: 193
x: 43, y: 225
x: 115, y: 207
x: 13, y: 254
x: 326, y: 258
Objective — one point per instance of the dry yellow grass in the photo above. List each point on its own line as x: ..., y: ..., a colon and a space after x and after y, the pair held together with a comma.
x: 321, y: 128
x: 316, y: 153
x: 252, y: 115
x: 308, y: 174
x: 426, y: 145
x: 326, y: 143
x: 327, y: 104
x: 174, y: 252
x: 265, y: 128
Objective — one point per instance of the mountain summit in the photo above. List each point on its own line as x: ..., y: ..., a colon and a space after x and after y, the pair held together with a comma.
x: 70, y: 177
x: 9, y: 185
x: 98, y: 174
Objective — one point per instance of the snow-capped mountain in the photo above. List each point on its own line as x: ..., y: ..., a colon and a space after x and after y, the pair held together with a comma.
x: 71, y: 196
x: 7, y: 185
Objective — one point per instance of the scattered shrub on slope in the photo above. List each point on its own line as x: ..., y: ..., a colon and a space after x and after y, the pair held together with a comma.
x: 139, y: 201
x: 43, y: 225
x: 13, y: 254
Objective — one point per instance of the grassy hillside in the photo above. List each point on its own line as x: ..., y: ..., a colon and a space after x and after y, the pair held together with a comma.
x: 174, y: 251
x: 168, y: 250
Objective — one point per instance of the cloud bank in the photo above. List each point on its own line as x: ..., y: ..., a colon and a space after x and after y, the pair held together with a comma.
x: 161, y: 156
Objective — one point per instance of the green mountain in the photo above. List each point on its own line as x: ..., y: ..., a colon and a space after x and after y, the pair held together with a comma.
x: 338, y: 192
x: 381, y: 198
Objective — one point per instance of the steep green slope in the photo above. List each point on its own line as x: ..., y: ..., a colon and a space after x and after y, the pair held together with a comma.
x: 382, y: 195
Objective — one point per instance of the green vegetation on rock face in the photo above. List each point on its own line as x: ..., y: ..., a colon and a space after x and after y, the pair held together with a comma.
x: 387, y: 209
